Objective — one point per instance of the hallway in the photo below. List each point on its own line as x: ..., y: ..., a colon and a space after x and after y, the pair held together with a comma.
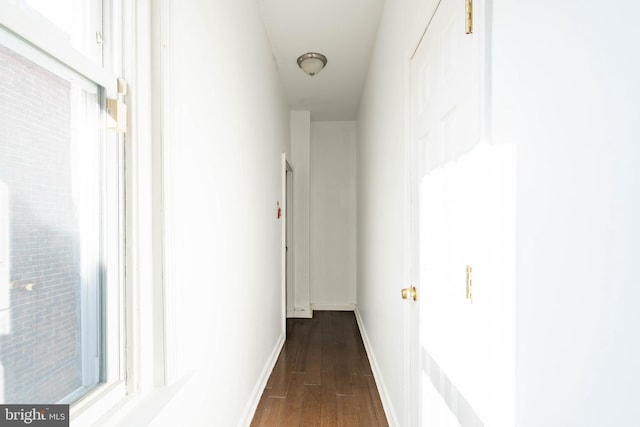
x: 322, y: 377
x: 167, y: 166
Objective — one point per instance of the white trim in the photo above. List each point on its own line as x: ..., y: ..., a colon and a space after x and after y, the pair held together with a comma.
x: 289, y: 242
x: 19, y: 23
x: 333, y: 307
x: 256, y: 394
x: 387, y: 405
x: 411, y: 387
x: 163, y: 131
x: 146, y: 66
x: 283, y: 246
x: 144, y: 327
x: 96, y: 404
x: 302, y: 312
x: 37, y: 56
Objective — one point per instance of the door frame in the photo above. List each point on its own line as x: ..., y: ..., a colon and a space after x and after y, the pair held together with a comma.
x: 286, y: 227
x: 289, y: 242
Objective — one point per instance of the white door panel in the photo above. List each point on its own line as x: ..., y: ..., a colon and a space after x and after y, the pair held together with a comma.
x: 462, y: 216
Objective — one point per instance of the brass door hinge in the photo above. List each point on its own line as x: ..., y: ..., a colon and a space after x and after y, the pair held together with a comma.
x: 468, y: 10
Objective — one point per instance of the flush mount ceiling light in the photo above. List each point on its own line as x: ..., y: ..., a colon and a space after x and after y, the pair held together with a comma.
x: 312, y: 63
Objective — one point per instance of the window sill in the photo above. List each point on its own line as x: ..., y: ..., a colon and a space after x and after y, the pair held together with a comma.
x: 115, y: 409
x: 105, y: 398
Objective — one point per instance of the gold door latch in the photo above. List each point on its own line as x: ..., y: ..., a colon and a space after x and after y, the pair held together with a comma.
x: 410, y: 293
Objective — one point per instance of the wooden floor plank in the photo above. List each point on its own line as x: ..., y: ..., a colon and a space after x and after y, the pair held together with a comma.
x: 294, y: 401
x: 376, y: 401
x: 347, y: 412
x: 270, y: 412
x: 322, y: 377
x: 329, y: 402
x: 313, y: 355
x: 311, y: 408
x: 280, y: 376
x: 260, y: 410
x: 366, y: 411
x: 329, y: 343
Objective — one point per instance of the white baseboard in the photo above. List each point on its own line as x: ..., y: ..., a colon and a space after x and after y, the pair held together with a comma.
x: 256, y: 394
x: 333, y: 307
x: 382, y: 389
x: 302, y: 313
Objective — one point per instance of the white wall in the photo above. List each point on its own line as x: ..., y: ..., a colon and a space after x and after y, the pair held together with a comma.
x: 381, y: 194
x: 565, y: 89
x: 300, y: 125
x: 333, y: 215
x: 230, y: 126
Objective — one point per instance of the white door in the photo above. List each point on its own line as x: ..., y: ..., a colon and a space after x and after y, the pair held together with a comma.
x: 462, y: 228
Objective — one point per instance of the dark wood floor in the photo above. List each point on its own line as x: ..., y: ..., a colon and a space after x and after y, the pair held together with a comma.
x: 322, y: 377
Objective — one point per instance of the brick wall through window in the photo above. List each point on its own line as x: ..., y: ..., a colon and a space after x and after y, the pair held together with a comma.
x: 41, y: 354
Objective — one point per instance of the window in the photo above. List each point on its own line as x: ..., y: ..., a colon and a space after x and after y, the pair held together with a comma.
x: 77, y: 22
x: 60, y: 228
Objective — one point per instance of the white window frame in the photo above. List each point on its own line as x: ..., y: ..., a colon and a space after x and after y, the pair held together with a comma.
x: 138, y: 304
x: 109, y: 250
x: 138, y: 363
x: 55, y: 45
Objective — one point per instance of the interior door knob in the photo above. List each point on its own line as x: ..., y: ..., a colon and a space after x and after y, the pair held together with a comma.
x: 410, y: 293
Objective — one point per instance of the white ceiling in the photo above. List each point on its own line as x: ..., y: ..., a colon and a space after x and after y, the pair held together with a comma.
x: 343, y: 30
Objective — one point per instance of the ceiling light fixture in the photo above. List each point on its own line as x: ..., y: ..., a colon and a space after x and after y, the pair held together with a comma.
x: 312, y: 63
